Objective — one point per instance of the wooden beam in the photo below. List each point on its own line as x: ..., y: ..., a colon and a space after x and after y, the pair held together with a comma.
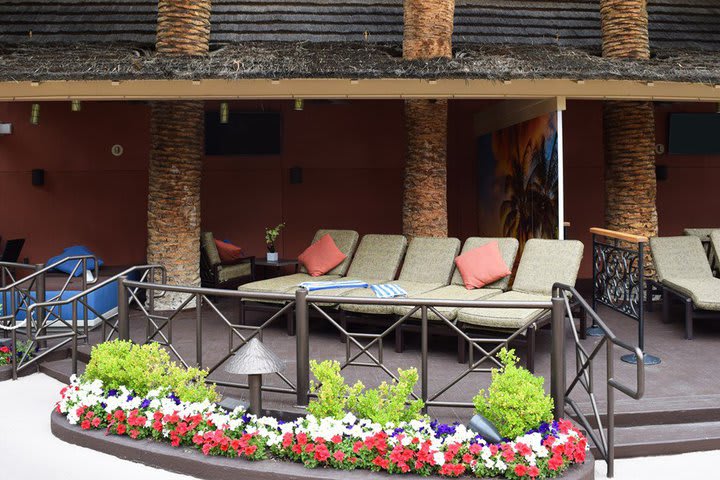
x: 628, y: 237
x: 334, y: 88
x: 511, y: 112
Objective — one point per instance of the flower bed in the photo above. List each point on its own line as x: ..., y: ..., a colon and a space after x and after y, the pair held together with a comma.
x: 419, y: 446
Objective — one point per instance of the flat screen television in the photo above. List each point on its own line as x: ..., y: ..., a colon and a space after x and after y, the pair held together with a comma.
x: 245, y: 133
x: 694, y: 134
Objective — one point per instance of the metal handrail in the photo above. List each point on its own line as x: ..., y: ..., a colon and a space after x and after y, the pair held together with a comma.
x: 73, y: 334
x: 605, y: 444
x: 52, y: 266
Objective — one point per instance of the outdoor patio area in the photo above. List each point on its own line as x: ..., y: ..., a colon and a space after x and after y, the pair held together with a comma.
x: 677, y: 390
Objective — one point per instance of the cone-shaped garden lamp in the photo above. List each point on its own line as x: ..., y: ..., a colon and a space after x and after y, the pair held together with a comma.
x: 254, y: 360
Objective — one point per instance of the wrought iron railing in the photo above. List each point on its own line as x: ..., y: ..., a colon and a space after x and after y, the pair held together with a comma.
x: 619, y: 281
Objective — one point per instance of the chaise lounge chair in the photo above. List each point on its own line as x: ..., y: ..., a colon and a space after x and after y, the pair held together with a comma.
x: 345, y: 240
x: 543, y: 263
x: 428, y: 265
x: 683, y: 271
x: 457, y: 290
x: 377, y: 260
x: 216, y: 274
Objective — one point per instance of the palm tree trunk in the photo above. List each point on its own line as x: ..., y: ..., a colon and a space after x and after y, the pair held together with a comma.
x: 176, y: 155
x: 630, y: 184
x: 427, y: 33
x: 425, y: 192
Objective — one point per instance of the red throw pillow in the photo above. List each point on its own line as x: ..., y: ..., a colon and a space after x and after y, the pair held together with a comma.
x: 322, y: 256
x: 482, y: 266
x: 228, y: 252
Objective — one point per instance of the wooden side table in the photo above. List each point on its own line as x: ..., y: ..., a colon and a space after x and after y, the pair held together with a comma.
x: 283, y: 262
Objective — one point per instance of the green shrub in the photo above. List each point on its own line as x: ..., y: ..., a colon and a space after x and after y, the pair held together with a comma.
x: 516, y: 401
x: 142, y: 368
x: 387, y: 403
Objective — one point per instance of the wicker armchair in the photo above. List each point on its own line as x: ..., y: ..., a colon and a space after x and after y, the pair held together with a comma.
x: 216, y: 274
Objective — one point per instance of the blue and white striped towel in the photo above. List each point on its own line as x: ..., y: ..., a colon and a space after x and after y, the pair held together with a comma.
x: 327, y: 285
x: 388, y: 290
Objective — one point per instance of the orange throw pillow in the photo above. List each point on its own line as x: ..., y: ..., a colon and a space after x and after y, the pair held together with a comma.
x: 482, y: 266
x: 322, y: 256
x: 228, y: 252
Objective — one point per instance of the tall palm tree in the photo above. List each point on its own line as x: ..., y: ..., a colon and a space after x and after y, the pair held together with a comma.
x: 427, y: 33
x: 629, y: 127
x: 176, y: 153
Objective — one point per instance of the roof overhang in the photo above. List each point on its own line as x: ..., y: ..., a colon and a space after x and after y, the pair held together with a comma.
x: 332, y: 88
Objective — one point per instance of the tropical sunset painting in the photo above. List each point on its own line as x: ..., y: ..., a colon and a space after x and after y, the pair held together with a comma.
x: 518, y: 180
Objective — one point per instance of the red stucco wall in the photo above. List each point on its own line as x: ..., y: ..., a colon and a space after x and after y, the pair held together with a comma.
x: 351, y: 155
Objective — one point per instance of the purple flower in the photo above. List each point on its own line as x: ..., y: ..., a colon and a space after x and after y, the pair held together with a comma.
x: 112, y: 393
x: 397, y: 431
x: 145, y: 403
x: 129, y: 398
x: 103, y: 404
x: 174, y: 398
x: 245, y: 418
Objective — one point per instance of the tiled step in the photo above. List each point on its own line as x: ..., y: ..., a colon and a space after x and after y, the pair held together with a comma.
x: 660, y: 411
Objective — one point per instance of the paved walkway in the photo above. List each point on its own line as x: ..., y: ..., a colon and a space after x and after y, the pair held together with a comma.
x: 29, y: 450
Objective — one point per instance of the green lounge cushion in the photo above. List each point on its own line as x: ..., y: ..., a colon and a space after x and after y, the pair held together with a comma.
x: 546, y: 262
x: 230, y: 272
x: 704, y: 292
x: 412, y: 288
x: 448, y: 292
x: 504, y: 318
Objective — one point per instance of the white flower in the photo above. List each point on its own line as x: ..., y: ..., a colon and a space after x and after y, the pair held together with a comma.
x: 439, y: 458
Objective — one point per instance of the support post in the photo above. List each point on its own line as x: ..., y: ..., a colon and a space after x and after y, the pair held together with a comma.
x: 302, y: 328
x: 40, y: 298
x: 123, y: 310
x: 424, y: 356
x: 610, y: 450
x: 198, y: 330
x: 255, y: 387
x: 557, y: 355
x: 75, y: 336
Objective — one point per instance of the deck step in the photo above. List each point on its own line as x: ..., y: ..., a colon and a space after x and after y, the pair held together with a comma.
x: 60, y: 369
x: 651, y: 440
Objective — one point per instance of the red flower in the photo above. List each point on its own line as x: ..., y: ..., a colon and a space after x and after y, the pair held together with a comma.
x: 309, y: 447
x: 96, y: 422
x: 467, y: 458
x: 452, y: 469
x: 564, y: 426
x: 297, y: 449
x: 336, y: 439
x: 381, y: 462
x: 357, y: 446
x: 508, y: 455
x: 493, y: 449
x: 523, y: 449
x: 534, y: 471
x: 339, y: 456
x: 250, y: 449
x: 119, y: 415
x: 521, y: 470
x: 287, y: 440
x: 135, y: 432
x: 5, y: 349
x: 322, y: 453
x: 206, y: 448
x: 85, y: 425
x: 301, y: 438
x: 121, y: 428
x: 555, y: 462
x: 475, y: 448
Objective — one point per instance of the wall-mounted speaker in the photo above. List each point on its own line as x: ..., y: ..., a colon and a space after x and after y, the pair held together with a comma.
x: 661, y: 173
x: 296, y: 175
x: 38, y: 177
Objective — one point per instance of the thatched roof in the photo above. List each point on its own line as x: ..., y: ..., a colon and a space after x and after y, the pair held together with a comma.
x: 347, y: 60
x: 568, y: 23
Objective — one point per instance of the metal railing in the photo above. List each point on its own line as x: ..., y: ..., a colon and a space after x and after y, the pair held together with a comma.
x: 602, y: 438
x: 40, y: 315
x: 159, y: 328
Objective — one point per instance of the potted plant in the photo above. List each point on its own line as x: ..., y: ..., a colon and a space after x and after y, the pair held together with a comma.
x: 271, y: 235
